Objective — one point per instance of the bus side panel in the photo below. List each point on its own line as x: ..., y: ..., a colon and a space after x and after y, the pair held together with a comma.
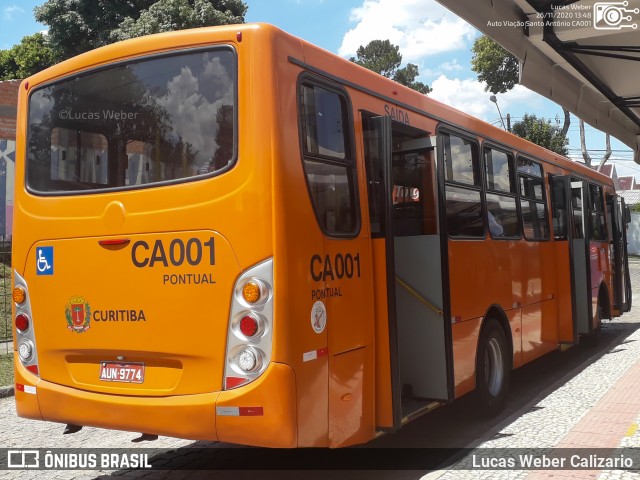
x: 515, y: 323
x: 383, y: 394
x: 465, y: 345
x: 533, y: 268
x: 479, y: 263
x: 563, y: 292
x: 534, y: 273
x: 350, y: 393
x: 538, y: 319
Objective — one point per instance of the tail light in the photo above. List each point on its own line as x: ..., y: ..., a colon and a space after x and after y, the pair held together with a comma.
x: 250, y: 326
x: 25, y: 339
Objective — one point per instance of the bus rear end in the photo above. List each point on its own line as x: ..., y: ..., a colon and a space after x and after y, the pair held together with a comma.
x: 142, y: 261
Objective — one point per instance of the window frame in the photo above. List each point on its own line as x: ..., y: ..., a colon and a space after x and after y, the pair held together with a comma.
x: 349, y: 162
x: 441, y: 131
x: 544, y: 201
x: 513, y: 177
x: 599, y: 213
x: 553, y: 207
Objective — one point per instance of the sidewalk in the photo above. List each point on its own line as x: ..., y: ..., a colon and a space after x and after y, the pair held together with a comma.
x: 598, y: 408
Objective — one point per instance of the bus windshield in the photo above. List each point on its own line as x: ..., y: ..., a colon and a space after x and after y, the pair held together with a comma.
x: 160, y: 119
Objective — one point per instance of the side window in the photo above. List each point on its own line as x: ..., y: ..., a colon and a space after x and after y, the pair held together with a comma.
x: 576, y: 208
x: 559, y: 207
x: 462, y: 187
x: 328, y: 162
x: 502, y: 213
x: 597, y: 225
x: 532, y: 200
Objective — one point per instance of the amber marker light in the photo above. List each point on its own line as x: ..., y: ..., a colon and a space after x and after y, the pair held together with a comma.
x: 251, y: 291
x: 19, y: 295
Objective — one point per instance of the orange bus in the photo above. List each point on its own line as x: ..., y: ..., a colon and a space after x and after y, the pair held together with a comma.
x: 231, y: 234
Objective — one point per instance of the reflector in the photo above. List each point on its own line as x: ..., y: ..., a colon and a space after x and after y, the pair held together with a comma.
x: 19, y: 295
x: 233, y: 382
x: 249, y: 326
x: 22, y: 322
x: 251, y: 292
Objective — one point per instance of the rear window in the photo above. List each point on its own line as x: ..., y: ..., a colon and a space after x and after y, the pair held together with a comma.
x: 156, y: 120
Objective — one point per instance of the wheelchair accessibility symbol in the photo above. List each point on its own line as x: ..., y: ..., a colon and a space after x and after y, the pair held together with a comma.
x: 44, y: 260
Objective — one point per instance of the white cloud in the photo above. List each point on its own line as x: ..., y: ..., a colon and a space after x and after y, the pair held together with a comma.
x: 193, y: 103
x: 8, y: 12
x: 419, y: 27
x: 469, y: 96
x: 451, y: 66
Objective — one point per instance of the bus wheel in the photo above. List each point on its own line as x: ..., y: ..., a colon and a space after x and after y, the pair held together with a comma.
x: 493, y: 368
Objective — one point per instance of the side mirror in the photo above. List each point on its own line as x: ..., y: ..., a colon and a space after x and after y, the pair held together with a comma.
x: 627, y: 215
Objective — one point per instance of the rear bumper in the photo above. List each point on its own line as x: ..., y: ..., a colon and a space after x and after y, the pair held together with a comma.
x: 262, y: 413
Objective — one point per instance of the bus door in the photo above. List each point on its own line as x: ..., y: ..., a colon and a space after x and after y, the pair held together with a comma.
x: 617, y: 226
x: 407, y: 263
x: 561, y: 209
x: 579, y: 258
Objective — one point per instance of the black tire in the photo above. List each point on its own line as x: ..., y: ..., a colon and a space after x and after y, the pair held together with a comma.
x: 493, y: 368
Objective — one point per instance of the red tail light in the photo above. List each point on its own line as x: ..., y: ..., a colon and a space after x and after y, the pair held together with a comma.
x: 22, y: 322
x: 248, y: 326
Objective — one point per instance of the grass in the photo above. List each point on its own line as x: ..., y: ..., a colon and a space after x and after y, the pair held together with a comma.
x: 6, y: 370
x: 5, y: 303
x: 6, y: 352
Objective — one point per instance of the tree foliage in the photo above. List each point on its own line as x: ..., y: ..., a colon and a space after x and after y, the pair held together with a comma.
x: 170, y: 15
x: 383, y: 57
x: 494, y: 65
x: 76, y: 26
x: 542, y: 132
x: 31, y: 55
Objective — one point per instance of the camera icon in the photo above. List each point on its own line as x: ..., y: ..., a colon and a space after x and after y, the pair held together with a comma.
x: 613, y: 16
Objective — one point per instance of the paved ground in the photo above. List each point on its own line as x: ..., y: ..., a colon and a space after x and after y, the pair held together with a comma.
x: 598, y: 407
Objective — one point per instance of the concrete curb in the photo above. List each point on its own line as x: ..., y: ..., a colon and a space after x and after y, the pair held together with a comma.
x: 6, y: 392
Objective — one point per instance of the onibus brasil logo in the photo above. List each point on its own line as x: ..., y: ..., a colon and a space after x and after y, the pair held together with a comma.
x: 78, y: 313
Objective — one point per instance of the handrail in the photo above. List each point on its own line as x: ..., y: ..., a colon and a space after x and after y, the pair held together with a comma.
x: 417, y: 295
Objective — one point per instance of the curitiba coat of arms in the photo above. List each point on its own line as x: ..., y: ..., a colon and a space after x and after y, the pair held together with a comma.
x: 78, y: 313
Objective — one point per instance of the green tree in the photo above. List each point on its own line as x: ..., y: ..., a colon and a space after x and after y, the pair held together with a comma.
x: 31, y: 55
x: 76, y: 26
x: 542, y: 132
x: 383, y: 57
x: 500, y: 70
x: 494, y: 65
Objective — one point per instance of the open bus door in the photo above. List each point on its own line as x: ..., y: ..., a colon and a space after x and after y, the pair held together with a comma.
x: 579, y: 257
x: 620, y: 265
x: 405, y: 226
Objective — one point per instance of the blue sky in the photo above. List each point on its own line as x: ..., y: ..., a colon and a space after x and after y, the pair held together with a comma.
x: 428, y: 35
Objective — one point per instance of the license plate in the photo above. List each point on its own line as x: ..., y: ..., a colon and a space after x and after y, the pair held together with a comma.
x: 122, y: 372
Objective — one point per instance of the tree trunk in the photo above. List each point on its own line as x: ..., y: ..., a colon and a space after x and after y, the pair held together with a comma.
x: 607, y: 154
x: 567, y: 122
x: 583, y: 145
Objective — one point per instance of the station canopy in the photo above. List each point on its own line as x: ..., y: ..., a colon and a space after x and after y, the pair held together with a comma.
x: 584, y: 55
